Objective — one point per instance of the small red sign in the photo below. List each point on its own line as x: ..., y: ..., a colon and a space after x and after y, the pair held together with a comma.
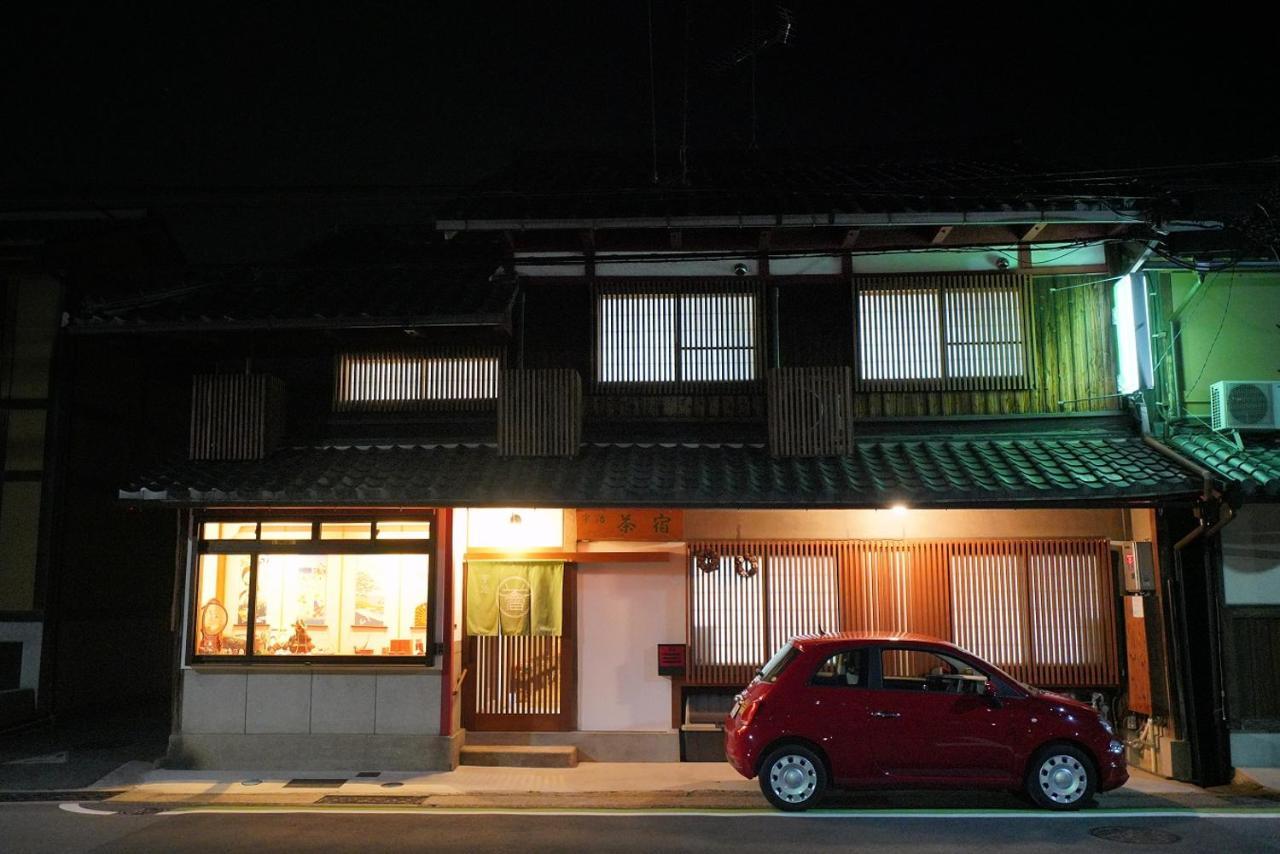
x: 671, y: 659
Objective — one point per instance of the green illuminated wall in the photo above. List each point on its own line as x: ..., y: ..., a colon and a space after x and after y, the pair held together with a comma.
x: 1229, y: 331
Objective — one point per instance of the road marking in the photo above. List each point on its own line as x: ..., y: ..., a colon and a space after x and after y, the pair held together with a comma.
x: 79, y: 810
x: 952, y: 815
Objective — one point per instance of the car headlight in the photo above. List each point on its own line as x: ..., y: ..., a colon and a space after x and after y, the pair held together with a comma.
x: 1116, y: 747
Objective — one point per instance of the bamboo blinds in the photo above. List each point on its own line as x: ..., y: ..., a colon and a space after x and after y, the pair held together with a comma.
x: 664, y: 337
x: 953, y: 332
x: 235, y: 416
x: 1041, y: 610
x: 517, y: 674
x: 456, y: 379
x: 540, y: 413
x: 810, y: 411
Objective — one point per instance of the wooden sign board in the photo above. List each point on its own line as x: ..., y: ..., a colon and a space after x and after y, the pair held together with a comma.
x: 631, y: 524
x: 671, y: 659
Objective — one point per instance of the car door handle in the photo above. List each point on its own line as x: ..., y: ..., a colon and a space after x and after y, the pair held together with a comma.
x: 886, y: 714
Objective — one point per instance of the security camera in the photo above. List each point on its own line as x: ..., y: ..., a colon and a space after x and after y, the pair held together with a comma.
x: 739, y: 269
x: 1002, y: 263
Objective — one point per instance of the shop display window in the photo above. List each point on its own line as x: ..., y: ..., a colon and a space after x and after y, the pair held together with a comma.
x: 323, y: 590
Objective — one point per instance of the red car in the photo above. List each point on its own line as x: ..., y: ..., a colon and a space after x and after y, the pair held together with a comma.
x: 898, y: 711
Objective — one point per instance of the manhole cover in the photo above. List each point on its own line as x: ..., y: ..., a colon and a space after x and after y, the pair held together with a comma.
x: 403, y: 800
x: 315, y: 783
x: 1136, y: 835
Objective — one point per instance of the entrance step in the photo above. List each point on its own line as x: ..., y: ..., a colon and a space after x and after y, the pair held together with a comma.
x: 519, y: 756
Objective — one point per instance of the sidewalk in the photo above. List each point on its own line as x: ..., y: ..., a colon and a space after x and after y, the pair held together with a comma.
x: 606, y: 785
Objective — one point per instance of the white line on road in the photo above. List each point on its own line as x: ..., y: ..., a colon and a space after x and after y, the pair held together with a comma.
x: 79, y: 810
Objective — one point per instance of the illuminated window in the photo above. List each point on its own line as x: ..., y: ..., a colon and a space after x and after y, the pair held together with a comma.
x: 398, y: 381
x: 284, y: 596
x: 928, y: 332
x: 676, y: 338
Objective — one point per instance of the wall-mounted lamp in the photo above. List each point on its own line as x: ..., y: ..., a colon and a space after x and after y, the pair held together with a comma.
x: 515, y: 519
x: 899, y: 509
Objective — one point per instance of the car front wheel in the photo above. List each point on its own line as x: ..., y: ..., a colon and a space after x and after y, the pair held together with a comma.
x: 1061, y: 777
x: 793, y: 778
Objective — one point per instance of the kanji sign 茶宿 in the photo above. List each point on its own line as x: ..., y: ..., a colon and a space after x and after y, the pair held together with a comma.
x: 630, y: 524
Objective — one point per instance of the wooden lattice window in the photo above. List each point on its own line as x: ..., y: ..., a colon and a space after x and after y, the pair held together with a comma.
x: 1039, y: 609
x: 388, y: 381
x: 662, y: 336
x: 954, y: 332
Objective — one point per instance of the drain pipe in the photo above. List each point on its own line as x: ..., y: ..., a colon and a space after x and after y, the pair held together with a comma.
x: 1208, y: 493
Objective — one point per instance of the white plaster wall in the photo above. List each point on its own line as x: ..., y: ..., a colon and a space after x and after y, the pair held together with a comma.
x: 624, y: 612
x: 1251, y: 556
x: 913, y: 524
x: 31, y: 636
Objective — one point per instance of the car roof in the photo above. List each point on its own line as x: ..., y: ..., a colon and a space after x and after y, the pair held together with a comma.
x: 867, y: 638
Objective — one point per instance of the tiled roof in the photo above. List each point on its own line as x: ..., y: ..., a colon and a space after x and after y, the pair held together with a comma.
x: 925, y: 472
x: 425, y: 294
x: 1256, y: 468
x: 595, y: 185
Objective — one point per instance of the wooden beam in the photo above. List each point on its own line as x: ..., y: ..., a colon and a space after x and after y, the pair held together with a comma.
x: 1031, y: 232
x: 941, y: 235
x: 676, y: 237
x: 573, y: 556
x: 850, y: 238
x: 588, y: 238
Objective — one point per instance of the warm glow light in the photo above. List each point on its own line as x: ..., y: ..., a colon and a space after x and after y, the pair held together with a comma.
x: 899, y: 509
x: 515, y: 527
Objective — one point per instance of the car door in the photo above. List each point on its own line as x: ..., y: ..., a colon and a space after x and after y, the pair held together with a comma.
x: 836, y: 715
x: 932, y: 722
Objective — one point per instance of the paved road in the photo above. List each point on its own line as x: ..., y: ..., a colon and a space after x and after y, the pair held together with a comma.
x: 47, y: 827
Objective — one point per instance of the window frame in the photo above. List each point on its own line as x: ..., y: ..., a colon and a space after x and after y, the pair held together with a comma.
x: 678, y: 290
x: 346, y: 363
x: 315, y: 545
x: 940, y: 285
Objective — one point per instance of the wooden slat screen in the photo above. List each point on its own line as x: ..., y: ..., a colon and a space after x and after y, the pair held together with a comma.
x: 1251, y: 651
x: 952, y: 332
x: 452, y: 379
x: 235, y: 416
x: 664, y: 337
x: 810, y: 411
x: 517, y: 675
x: 1042, y: 610
x: 540, y: 413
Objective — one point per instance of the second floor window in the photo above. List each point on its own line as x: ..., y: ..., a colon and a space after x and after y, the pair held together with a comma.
x: 647, y: 335
x: 386, y: 381
x: 931, y: 332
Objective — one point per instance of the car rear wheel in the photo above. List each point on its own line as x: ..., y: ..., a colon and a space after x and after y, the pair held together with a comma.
x: 793, y: 777
x: 1061, y: 777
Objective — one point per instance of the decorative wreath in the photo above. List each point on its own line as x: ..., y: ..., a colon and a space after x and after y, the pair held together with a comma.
x: 746, y: 565
x: 707, y: 560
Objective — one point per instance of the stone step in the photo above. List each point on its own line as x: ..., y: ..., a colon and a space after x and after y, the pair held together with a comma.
x: 519, y: 756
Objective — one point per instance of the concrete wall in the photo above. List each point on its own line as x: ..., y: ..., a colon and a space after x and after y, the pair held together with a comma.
x: 624, y: 612
x: 307, y: 720
x: 1251, y: 556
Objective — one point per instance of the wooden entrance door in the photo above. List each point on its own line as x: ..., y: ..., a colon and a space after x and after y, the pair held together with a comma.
x: 523, y: 683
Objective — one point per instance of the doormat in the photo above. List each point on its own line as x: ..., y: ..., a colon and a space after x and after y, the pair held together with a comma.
x: 315, y: 782
x: 1135, y: 835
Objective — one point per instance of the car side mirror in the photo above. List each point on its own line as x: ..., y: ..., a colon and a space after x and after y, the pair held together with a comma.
x: 989, y: 691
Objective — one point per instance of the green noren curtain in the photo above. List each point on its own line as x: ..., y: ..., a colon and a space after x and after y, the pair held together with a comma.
x: 523, y: 597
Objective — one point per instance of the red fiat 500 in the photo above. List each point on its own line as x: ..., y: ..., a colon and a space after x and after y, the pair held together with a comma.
x: 898, y: 711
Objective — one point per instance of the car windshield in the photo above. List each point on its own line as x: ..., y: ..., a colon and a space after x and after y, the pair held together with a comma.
x: 774, y: 666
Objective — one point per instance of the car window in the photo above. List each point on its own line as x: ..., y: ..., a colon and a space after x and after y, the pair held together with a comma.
x: 845, y: 669
x: 905, y: 669
x: 774, y: 667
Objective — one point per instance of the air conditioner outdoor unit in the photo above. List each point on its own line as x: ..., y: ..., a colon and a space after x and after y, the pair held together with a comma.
x: 1240, y: 405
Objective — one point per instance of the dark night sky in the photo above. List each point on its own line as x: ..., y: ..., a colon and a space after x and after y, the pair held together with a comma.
x: 220, y: 95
